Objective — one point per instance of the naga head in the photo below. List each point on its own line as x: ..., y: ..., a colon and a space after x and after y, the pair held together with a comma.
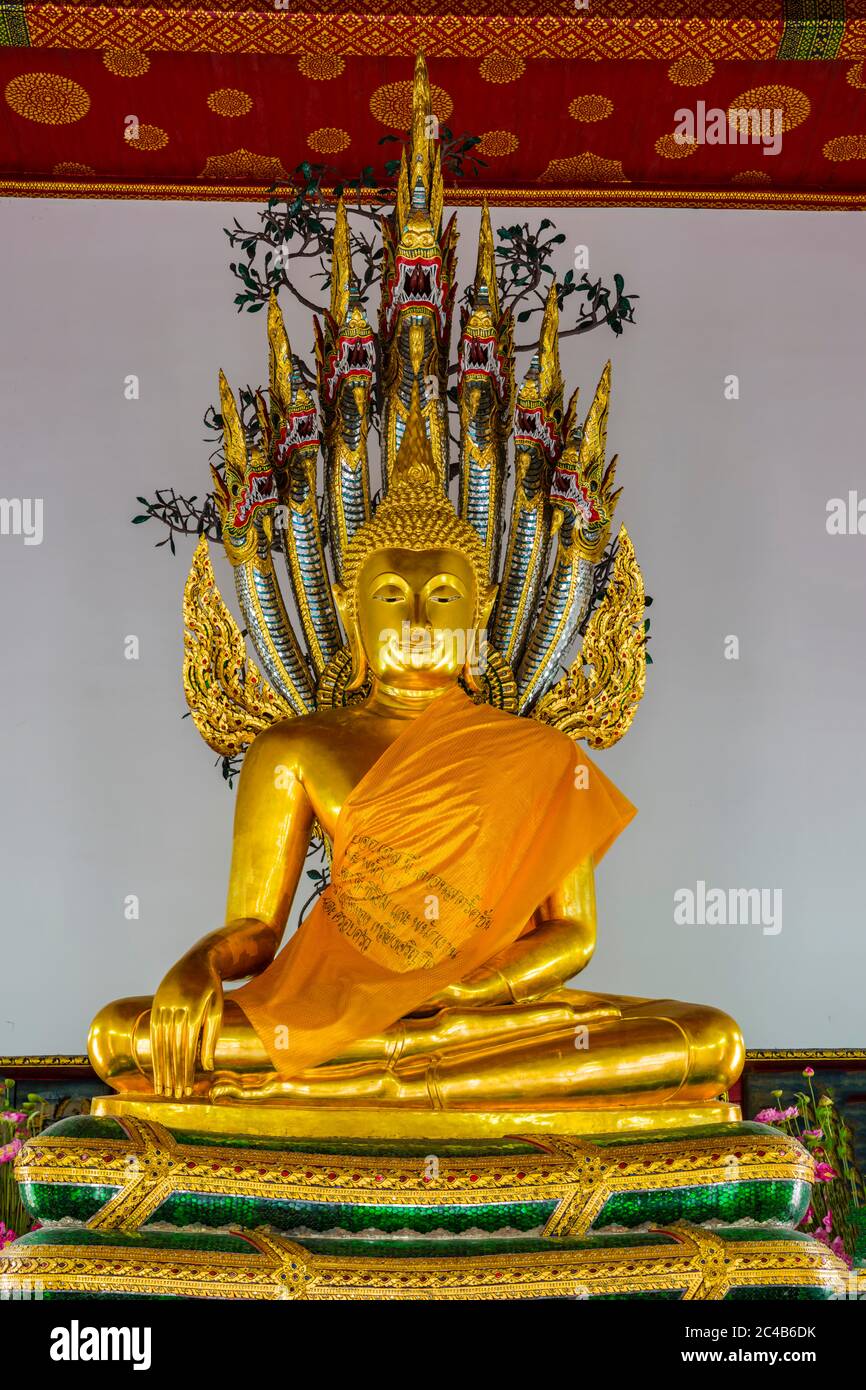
x: 293, y: 420
x: 415, y: 595
x: 581, y: 491
x: 345, y: 348
x: 247, y: 491
x: 418, y: 265
x: 352, y: 357
x: 415, y: 282
x: 538, y: 412
x: 486, y: 350
x: 482, y: 361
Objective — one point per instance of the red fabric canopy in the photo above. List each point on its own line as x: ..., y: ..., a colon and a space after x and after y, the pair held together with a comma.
x: 568, y: 105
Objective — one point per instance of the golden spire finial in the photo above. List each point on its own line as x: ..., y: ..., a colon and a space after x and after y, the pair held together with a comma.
x: 548, y: 342
x: 485, y: 270
x: 341, y: 266
x: 279, y: 357
x: 594, y: 437
x: 234, y: 441
x: 421, y: 141
x: 404, y: 204
x: 414, y: 466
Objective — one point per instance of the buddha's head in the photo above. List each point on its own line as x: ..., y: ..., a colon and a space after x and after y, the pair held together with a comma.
x: 415, y: 596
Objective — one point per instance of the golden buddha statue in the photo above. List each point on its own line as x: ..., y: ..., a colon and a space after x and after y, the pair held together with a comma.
x: 434, y: 749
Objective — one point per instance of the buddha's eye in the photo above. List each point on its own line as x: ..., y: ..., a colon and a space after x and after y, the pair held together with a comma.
x: 444, y: 596
x: 389, y: 593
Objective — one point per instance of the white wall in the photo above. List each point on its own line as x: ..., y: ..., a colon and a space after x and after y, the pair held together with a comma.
x: 747, y: 773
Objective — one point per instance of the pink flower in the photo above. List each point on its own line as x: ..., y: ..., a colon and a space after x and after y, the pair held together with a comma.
x: 838, y: 1249
x: 813, y: 1134
x: 768, y: 1116
x: 13, y: 1117
x: 810, y: 1216
x: 792, y: 1113
x: 8, y: 1151
x: 6, y: 1235
x: 808, y: 1071
x: 824, y: 1173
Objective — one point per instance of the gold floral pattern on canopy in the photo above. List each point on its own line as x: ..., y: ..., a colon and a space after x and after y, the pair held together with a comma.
x: 590, y: 107
x: 751, y: 178
x: 321, y: 67
x: 494, y: 144
x: 691, y: 72
x: 671, y: 147
x: 499, y: 67
x: 392, y: 104
x: 230, y: 101
x: 794, y: 104
x: 125, y: 62
x: 329, y: 139
x: 584, y: 168
x: 150, y: 137
x: 854, y: 76
x: 47, y: 97
x: 68, y: 169
x: 243, y: 164
x: 844, y: 147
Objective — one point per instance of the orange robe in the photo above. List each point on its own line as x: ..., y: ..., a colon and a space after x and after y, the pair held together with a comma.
x: 442, y: 853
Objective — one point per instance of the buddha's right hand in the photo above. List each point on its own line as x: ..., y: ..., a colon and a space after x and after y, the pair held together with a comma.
x: 186, y: 1014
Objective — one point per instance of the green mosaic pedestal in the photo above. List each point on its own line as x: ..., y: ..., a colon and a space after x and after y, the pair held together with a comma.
x: 131, y: 1207
x: 113, y: 1174
x: 679, y: 1262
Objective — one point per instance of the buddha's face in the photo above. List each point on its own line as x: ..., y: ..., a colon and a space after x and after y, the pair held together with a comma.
x: 417, y: 616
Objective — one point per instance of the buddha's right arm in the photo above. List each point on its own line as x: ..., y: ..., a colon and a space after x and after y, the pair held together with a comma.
x: 273, y: 821
x: 272, y: 828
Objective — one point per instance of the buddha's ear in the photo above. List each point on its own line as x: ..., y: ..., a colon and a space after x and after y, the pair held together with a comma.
x: 341, y: 598
x: 485, y: 604
x: 350, y: 627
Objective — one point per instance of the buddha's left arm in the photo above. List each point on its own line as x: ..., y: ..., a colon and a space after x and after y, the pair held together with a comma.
x: 558, y: 945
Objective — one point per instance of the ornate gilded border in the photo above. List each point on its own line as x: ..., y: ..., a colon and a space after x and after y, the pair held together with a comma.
x: 609, y: 30
x: 578, y: 1175
x: 630, y: 30
x: 790, y: 200
x: 806, y: 1054
x: 768, y: 1054
x: 700, y: 1263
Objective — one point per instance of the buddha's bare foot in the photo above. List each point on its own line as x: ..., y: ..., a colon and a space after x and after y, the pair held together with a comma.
x: 360, y: 1086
